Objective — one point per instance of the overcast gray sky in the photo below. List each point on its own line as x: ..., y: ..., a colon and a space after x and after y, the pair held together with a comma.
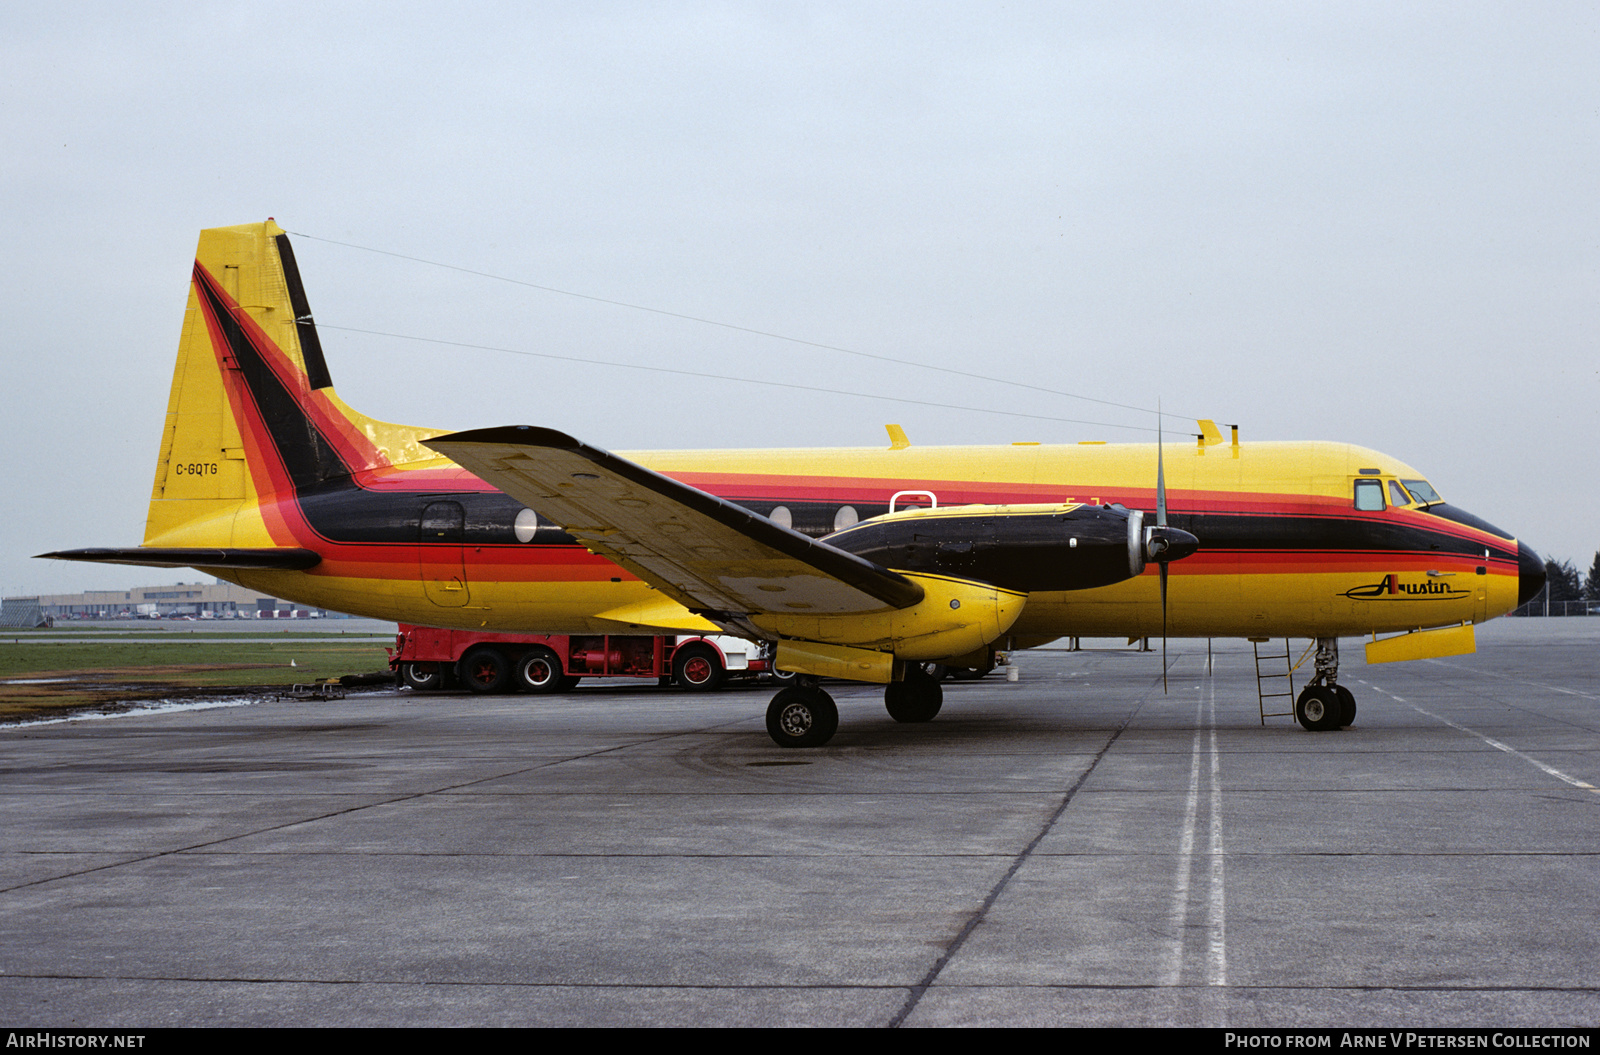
x: 1370, y: 222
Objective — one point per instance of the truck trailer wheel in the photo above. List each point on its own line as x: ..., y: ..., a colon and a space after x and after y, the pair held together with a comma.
x: 413, y: 675
x: 697, y: 667
x: 540, y: 671
x: 485, y: 670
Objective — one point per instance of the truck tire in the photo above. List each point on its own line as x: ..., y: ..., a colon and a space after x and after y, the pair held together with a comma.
x: 697, y: 667
x: 485, y: 670
x: 413, y: 675
x: 540, y: 670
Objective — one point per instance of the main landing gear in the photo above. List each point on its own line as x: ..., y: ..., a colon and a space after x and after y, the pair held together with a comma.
x: 802, y: 715
x: 1325, y: 704
x: 917, y: 698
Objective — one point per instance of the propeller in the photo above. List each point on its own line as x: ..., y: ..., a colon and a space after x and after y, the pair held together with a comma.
x: 1163, y: 543
x: 1161, y: 530
x: 1160, y: 542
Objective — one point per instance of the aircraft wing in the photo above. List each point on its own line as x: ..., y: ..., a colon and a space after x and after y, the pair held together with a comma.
x: 709, y: 555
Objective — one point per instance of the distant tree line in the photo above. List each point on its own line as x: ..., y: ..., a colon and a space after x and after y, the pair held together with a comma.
x: 1563, y: 583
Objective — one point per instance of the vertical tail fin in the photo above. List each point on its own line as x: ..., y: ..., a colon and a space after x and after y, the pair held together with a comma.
x: 252, y: 411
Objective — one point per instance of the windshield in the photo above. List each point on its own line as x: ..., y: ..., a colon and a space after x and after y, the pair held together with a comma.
x: 1422, y: 491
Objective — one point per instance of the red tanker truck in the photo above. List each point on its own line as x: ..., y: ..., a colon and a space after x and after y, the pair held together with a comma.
x: 427, y: 658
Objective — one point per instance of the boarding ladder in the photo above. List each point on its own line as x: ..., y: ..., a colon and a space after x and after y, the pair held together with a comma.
x: 1266, y: 677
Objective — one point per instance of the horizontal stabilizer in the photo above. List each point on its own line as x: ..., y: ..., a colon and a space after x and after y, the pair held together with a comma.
x: 289, y: 558
x: 709, y: 555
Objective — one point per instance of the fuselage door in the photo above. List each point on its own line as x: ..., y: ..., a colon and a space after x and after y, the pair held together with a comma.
x: 440, y: 557
x: 913, y: 500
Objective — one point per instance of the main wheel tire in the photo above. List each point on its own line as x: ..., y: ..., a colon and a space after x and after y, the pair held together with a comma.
x: 801, y: 717
x: 916, y: 699
x: 568, y: 682
x: 539, y: 670
x: 1347, y: 705
x: 1318, y: 708
x: 486, y: 670
x: 697, y: 667
x: 413, y: 675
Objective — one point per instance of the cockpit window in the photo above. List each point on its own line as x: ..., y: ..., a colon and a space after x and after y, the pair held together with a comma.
x: 1369, y: 495
x: 1422, y: 492
x: 1397, y: 494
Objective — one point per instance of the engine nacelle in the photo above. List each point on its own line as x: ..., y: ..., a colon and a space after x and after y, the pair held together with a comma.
x: 1025, y: 548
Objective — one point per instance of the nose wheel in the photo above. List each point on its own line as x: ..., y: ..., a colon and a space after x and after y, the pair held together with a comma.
x: 1318, y: 708
x: 1325, y: 704
x: 1347, y: 705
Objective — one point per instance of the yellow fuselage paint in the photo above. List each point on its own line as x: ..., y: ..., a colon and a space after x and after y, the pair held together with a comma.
x: 220, y: 484
x: 1291, y: 591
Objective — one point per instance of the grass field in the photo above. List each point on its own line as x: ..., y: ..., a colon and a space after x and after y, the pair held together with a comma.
x: 65, y: 676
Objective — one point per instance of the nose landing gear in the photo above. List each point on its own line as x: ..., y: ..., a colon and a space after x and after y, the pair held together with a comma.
x: 1325, y: 704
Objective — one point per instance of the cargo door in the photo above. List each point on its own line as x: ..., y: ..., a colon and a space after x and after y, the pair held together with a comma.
x: 441, y: 558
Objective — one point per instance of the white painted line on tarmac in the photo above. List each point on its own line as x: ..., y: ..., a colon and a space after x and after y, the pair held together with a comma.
x: 1217, y: 973
x: 1520, y: 681
x: 1492, y: 742
x: 1214, y: 905
x: 1179, y: 916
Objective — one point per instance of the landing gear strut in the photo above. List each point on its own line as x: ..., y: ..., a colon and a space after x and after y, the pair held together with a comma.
x: 1325, y: 704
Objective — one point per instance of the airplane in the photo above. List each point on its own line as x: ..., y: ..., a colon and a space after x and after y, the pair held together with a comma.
x: 855, y: 563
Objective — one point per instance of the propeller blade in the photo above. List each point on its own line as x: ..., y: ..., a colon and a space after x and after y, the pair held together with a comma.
x: 1164, y: 626
x: 1161, y: 476
x: 1161, y: 523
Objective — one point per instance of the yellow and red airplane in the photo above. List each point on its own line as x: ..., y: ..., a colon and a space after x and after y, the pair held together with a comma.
x: 267, y: 479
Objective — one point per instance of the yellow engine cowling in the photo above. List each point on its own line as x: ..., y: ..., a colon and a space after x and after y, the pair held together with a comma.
x: 954, y: 617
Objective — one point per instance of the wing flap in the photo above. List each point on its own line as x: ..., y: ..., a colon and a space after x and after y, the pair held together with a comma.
x: 705, y: 553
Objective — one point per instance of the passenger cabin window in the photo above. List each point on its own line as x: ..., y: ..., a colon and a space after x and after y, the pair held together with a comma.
x: 1369, y: 495
x: 1397, y: 494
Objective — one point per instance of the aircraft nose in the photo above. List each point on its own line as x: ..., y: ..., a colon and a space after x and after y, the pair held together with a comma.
x: 1530, y: 574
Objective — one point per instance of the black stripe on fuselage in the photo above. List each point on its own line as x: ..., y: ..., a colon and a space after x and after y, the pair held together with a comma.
x: 1257, y: 533
x: 348, y: 514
